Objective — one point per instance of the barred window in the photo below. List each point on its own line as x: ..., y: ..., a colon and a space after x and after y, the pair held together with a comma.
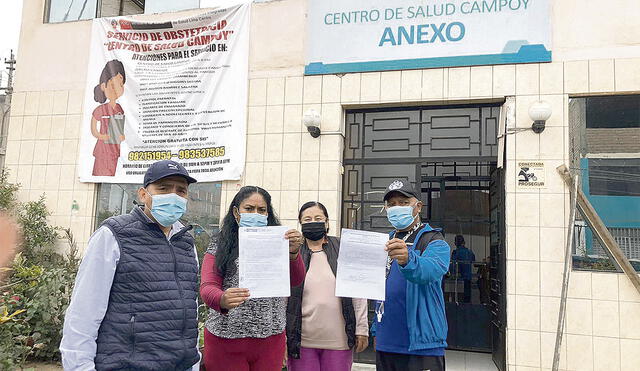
x: 76, y: 10
x: 605, y: 152
x: 203, y: 208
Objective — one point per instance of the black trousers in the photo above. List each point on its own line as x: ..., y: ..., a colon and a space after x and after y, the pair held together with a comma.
x: 467, y: 291
x: 406, y: 362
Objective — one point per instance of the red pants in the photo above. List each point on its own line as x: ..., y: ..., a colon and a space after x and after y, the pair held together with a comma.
x: 245, y: 354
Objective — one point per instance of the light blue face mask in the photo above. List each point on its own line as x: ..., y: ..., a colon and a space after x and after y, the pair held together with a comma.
x: 400, y: 217
x: 168, y: 208
x: 252, y: 220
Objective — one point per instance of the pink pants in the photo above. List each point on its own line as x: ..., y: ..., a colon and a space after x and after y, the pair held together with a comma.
x: 321, y: 360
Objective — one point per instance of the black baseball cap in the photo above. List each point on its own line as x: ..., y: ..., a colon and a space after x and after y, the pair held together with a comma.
x: 401, y: 186
x: 165, y: 168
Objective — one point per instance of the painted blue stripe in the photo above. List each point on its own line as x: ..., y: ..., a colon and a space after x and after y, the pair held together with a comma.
x: 526, y: 54
x: 615, y: 211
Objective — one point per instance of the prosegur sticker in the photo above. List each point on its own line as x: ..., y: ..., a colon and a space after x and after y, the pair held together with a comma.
x: 531, y: 174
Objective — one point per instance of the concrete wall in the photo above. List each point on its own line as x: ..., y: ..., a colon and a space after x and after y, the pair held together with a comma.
x: 595, y: 29
x: 595, y: 52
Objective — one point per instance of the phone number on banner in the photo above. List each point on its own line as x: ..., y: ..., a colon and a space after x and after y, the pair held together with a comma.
x: 183, y: 154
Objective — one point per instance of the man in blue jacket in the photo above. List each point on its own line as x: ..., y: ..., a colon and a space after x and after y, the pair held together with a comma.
x: 410, y: 325
x: 461, y: 260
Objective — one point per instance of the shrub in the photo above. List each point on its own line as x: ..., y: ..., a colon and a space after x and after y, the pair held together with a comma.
x: 38, y: 284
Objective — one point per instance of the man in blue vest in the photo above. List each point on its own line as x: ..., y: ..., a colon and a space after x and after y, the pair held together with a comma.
x: 410, y: 325
x: 134, y: 304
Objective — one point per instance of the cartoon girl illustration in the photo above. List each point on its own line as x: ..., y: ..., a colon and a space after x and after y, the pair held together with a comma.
x: 110, y: 115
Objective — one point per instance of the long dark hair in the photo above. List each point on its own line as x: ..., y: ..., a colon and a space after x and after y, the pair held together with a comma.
x: 110, y: 70
x: 227, y: 249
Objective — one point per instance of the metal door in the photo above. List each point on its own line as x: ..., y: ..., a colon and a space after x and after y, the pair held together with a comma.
x: 457, y: 199
x: 413, y: 144
x: 497, y: 270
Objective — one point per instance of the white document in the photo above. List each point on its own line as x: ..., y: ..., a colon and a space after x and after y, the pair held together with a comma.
x: 264, y: 261
x: 361, y: 265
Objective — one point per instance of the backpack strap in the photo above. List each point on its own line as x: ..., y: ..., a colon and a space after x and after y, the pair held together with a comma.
x: 429, y: 236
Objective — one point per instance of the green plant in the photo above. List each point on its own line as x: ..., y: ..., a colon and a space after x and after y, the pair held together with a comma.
x: 202, y: 242
x: 106, y: 214
x: 593, y: 263
x: 38, y: 236
x: 8, y: 199
x: 38, y: 287
x: 37, y: 296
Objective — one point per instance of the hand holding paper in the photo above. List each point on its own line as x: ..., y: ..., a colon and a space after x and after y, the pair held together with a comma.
x: 233, y: 297
x: 397, y: 249
x: 361, y: 265
x: 264, y: 261
x: 295, y: 241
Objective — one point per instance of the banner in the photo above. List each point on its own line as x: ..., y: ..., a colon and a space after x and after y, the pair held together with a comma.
x: 375, y: 35
x: 166, y: 90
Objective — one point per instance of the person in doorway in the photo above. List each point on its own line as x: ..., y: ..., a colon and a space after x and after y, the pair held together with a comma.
x: 243, y: 333
x: 410, y: 325
x: 323, y: 330
x: 138, y: 269
x: 110, y: 115
x: 462, y: 258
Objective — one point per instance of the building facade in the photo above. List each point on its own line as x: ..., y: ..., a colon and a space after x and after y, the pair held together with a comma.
x: 596, y: 52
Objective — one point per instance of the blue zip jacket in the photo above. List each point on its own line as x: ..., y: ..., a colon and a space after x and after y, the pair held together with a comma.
x: 426, y: 319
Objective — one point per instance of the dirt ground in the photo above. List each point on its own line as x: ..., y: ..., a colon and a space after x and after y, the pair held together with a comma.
x: 42, y: 367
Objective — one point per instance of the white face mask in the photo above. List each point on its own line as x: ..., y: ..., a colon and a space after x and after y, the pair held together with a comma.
x: 401, y: 217
x: 252, y: 219
x: 167, y: 208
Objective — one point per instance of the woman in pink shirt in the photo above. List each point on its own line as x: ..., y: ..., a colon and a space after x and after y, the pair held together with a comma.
x: 110, y: 115
x: 323, y: 330
x: 242, y: 333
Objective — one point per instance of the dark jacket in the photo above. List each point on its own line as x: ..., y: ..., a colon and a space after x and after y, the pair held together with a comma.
x: 294, y: 306
x: 151, y: 321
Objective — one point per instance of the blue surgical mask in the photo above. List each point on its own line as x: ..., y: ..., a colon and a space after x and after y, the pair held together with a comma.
x: 400, y: 217
x: 252, y: 220
x: 168, y: 208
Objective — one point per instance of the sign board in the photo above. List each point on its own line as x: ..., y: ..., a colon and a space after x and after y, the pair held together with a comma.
x: 166, y: 90
x: 531, y: 174
x: 357, y: 36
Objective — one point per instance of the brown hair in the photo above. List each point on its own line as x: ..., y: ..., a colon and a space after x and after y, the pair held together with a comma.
x: 110, y: 70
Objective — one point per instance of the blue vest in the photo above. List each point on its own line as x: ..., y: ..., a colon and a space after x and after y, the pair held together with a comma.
x: 151, y: 321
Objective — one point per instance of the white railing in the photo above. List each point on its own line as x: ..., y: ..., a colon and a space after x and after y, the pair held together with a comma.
x: 627, y: 238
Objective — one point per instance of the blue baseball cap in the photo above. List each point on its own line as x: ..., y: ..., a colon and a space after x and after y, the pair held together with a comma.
x: 165, y: 168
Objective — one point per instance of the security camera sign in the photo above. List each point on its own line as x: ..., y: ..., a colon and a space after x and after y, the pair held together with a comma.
x: 531, y: 174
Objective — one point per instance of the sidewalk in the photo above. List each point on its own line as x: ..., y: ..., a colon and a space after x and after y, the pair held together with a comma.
x: 362, y: 367
x: 455, y: 361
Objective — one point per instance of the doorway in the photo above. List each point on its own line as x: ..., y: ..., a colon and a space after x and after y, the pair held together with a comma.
x: 449, y: 154
x: 457, y: 200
